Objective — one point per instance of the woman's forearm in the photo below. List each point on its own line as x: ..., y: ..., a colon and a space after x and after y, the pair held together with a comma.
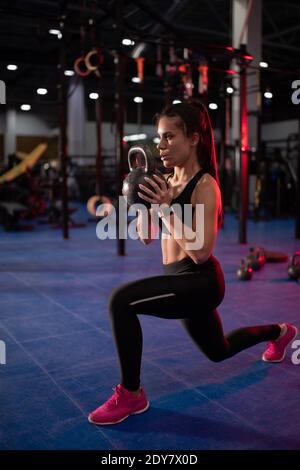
x: 146, y: 229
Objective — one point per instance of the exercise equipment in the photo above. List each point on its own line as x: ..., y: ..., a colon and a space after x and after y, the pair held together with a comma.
x: 27, y: 162
x: 20, y: 192
x: 294, y: 266
x: 11, y: 213
x: 141, y: 163
x: 276, y: 183
x: 95, y: 201
x: 92, y: 62
x: 275, y: 256
x: 257, y: 258
x: 244, y: 272
x: 260, y: 256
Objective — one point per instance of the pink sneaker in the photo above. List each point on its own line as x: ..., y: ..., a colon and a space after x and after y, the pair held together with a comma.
x: 275, y: 351
x: 119, y: 406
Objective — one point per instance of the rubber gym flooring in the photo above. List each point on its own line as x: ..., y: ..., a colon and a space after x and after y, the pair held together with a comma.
x: 61, y: 361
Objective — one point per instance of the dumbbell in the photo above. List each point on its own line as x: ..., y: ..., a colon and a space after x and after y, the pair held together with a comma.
x: 244, y: 272
x: 256, y: 258
x: 294, y: 266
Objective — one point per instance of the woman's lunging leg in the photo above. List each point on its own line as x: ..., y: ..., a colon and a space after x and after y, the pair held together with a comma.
x: 151, y: 296
x: 161, y: 296
x: 128, y: 337
x: 206, y: 330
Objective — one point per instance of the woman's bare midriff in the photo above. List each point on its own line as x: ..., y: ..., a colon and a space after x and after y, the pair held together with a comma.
x: 171, y: 250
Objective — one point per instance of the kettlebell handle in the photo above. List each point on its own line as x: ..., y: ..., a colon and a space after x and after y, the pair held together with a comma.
x: 135, y: 150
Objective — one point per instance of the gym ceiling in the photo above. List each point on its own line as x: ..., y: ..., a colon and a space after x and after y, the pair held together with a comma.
x: 26, y: 42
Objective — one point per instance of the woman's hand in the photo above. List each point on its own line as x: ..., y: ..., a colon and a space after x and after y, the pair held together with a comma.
x: 162, y: 193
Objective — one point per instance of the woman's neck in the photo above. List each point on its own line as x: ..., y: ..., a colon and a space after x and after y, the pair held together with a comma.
x: 183, y: 174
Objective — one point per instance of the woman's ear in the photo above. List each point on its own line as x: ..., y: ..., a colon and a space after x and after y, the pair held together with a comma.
x: 195, y: 138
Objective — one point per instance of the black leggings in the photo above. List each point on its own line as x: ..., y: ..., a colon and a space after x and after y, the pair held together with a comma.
x: 188, y: 292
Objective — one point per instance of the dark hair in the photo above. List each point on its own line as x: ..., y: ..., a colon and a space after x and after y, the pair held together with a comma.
x: 193, y: 117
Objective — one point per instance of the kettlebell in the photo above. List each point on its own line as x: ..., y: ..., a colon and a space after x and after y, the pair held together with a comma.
x: 244, y: 272
x: 257, y: 258
x: 294, y: 266
x: 141, y: 163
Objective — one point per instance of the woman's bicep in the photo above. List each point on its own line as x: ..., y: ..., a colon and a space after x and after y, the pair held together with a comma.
x: 208, y: 195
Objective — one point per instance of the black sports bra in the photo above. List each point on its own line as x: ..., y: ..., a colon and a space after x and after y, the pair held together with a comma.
x: 185, y: 196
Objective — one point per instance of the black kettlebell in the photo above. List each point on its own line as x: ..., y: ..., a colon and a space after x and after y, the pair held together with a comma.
x: 294, y: 266
x: 141, y: 163
x: 257, y: 258
x: 244, y: 272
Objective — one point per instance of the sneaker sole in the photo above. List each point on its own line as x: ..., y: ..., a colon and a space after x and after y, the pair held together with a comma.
x: 120, y: 420
x: 283, y: 357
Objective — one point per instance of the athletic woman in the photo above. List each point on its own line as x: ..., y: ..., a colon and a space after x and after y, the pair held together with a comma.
x: 192, y: 286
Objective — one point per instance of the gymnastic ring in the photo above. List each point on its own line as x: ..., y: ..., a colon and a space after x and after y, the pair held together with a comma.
x: 81, y: 73
x: 89, y: 66
x: 92, y: 206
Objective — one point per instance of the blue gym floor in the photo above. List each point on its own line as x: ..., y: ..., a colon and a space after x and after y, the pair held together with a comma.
x: 61, y: 361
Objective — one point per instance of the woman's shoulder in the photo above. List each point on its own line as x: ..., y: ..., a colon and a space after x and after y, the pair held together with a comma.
x: 207, y: 181
x: 208, y: 187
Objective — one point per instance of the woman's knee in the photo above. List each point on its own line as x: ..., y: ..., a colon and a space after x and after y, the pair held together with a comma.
x: 119, y: 299
x: 217, y: 355
x: 116, y: 299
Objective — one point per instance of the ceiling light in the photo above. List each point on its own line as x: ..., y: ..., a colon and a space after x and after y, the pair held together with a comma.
x: 264, y: 65
x: 133, y: 137
x: 42, y: 91
x: 128, y: 42
x: 93, y: 96
x: 55, y: 32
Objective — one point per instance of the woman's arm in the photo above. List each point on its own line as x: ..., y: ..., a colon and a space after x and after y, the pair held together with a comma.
x: 153, y: 225
x: 150, y: 231
x: 198, y: 247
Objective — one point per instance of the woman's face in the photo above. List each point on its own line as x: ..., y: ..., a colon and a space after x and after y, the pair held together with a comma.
x: 174, y: 146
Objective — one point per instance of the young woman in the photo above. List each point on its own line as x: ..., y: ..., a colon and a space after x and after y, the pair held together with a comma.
x: 192, y: 286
